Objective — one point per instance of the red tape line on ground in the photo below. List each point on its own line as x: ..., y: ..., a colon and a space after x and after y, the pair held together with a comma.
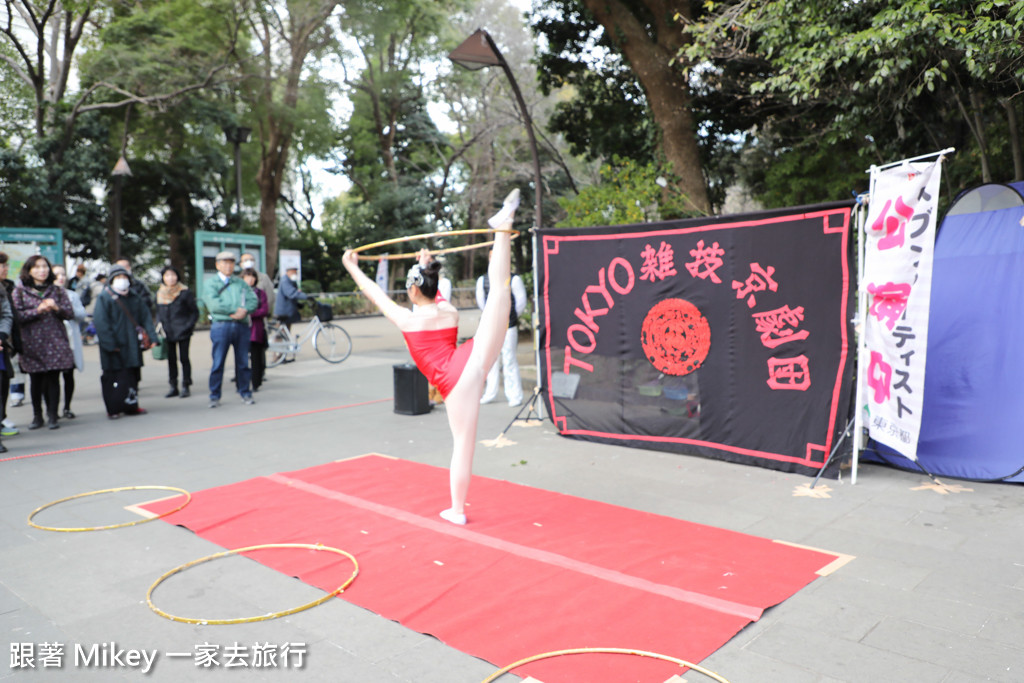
x: 196, y: 431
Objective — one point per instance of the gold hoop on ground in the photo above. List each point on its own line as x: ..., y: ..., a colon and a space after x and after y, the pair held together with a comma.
x: 263, y: 617
x: 428, y: 235
x: 188, y: 499
x: 605, y: 650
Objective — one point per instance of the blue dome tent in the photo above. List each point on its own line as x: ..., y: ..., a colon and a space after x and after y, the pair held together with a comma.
x: 972, y: 421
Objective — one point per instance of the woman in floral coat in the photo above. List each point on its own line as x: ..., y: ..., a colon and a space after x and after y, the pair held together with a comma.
x: 41, y: 307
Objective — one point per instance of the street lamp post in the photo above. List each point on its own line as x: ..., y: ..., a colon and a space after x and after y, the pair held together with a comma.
x: 479, y: 51
x: 238, y: 135
x: 119, y: 172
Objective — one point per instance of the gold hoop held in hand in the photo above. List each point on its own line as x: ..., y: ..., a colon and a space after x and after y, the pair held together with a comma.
x: 262, y: 617
x: 188, y: 499
x: 443, y: 233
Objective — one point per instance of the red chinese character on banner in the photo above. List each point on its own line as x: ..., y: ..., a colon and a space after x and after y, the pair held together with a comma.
x: 879, y: 377
x: 758, y: 281
x: 708, y: 257
x: 657, y: 265
x: 776, y: 327
x: 789, y: 373
x: 888, y: 301
x: 893, y: 225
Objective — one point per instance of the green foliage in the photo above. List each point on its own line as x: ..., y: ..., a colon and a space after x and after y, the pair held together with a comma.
x: 37, y: 194
x: 310, y: 286
x: 873, y: 82
x: 390, y: 144
x: 157, y: 46
x: 629, y: 193
x: 807, y: 175
x: 607, y: 111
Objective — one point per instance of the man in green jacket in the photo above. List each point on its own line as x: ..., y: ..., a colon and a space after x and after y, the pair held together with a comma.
x: 229, y: 301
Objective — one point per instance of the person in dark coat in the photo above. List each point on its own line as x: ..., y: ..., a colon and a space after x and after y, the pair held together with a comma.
x: 258, y: 335
x: 10, y: 343
x: 286, y: 307
x: 177, y: 313
x: 41, y: 308
x: 118, y: 311
x: 6, y: 324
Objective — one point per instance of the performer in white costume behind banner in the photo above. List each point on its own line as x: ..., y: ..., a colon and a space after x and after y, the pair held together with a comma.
x: 508, y: 361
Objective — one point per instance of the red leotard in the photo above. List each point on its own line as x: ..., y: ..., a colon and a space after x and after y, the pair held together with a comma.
x: 438, y: 357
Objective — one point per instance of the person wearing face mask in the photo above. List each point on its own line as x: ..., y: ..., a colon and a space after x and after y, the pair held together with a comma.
x: 139, y: 287
x: 41, y: 308
x: 118, y: 315
x: 263, y: 281
x: 287, y: 308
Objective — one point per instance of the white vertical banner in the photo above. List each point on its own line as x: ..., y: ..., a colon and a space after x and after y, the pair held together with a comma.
x: 382, y: 273
x: 289, y: 258
x: 899, y: 244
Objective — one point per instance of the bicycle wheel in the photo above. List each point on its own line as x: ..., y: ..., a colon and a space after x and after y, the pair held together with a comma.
x: 278, y: 340
x: 332, y: 343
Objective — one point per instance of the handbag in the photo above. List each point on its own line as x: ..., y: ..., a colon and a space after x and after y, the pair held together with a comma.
x: 160, y: 349
x: 145, y: 343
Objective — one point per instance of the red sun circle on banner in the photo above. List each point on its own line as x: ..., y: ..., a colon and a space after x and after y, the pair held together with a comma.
x: 675, y: 336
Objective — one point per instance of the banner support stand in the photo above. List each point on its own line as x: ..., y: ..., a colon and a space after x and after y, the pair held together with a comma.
x: 535, y: 402
x: 948, y: 150
x: 835, y: 449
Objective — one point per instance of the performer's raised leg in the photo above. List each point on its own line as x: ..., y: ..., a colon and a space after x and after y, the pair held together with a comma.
x: 463, y: 402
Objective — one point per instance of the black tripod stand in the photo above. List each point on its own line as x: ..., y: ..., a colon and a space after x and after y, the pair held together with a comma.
x: 532, y: 408
x: 835, y: 449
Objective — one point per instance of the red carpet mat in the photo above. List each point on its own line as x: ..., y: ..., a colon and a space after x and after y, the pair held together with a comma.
x: 533, y: 571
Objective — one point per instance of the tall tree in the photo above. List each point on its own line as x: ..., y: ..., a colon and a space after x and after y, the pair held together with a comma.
x: 175, y: 147
x: 287, y: 35
x: 42, y: 42
x: 886, y: 79
x: 490, y: 151
x: 390, y: 144
x: 648, y: 36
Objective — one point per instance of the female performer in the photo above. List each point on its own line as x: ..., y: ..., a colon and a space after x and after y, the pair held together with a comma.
x: 431, y: 333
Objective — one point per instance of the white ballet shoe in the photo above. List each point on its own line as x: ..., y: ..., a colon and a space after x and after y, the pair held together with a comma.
x: 508, y: 209
x: 453, y: 517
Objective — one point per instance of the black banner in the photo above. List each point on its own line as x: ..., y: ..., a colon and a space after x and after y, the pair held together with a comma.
x: 726, y: 337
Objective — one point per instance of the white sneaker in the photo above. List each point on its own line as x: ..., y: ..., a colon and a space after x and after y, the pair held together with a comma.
x: 508, y: 209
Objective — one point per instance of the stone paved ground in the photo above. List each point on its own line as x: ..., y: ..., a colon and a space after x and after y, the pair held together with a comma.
x: 935, y: 594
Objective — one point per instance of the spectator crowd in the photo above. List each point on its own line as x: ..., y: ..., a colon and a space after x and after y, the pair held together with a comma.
x: 46, y: 319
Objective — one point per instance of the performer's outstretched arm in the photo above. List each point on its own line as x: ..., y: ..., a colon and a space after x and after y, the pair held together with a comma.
x: 372, y: 291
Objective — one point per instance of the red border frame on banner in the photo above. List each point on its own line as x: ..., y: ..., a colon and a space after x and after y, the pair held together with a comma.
x: 550, y: 246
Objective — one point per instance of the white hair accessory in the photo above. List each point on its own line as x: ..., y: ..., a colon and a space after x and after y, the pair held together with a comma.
x: 414, y: 277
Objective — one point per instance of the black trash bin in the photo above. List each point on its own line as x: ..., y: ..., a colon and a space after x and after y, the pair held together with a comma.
x: 412, y: 391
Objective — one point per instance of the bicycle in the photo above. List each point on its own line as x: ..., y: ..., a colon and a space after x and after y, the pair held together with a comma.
x: 331, y: 341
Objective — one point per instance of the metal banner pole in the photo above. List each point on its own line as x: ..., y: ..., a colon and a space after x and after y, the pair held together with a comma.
x: 535, y: 324
x: 858, y: 430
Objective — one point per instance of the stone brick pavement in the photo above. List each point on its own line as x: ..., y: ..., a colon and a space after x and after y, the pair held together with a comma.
x: 935, y: 594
